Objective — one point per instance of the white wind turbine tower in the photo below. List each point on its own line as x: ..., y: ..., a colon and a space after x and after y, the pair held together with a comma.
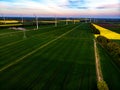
x: 24, y: 34
x: 90, y: 20
x: 74, y: 20
x: 36, y: 18
x: 24, y: 31
x: 66, y: 21
x: 86, y: 20
x: 94, y: 20
x: 22, y: 19
x: 55, y: 21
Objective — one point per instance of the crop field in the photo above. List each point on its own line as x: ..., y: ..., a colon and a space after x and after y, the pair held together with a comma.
x: 32, y: 23
x: 53, y: 58
x: 56, y: 58
x: 112, y: 26
x: 9, y: 21
x: 112, y: 31
x: 107, y: 33
x: 45, y: 25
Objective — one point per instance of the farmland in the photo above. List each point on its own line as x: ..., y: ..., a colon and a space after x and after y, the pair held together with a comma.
x: 107, y: 33
x: 58, y: 60
x: 53, y: 58
x: 112, y: 26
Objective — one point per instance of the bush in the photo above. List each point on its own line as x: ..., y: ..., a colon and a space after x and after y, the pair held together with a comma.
x: 94, y: 30
x: 102, y: 85
x: 112, y: 48
x: 103, y: 40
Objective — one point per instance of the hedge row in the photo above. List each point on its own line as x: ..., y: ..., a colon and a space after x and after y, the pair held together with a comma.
x: 113, y: 48
x: 94, y: 30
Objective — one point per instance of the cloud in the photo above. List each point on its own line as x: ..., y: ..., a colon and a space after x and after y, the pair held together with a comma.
x: 83, y: 7
x: 59, y: 7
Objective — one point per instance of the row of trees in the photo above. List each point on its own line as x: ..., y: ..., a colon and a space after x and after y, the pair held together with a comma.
x: 94, y: 30
x: 102, y: 85
x: 113, y: 48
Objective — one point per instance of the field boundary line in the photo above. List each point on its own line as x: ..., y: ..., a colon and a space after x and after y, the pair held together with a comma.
x: 30, y: 53
x: 97, y: 61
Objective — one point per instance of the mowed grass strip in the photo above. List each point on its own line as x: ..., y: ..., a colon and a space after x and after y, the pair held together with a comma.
x: 35, y: 50
x: 65, y: 64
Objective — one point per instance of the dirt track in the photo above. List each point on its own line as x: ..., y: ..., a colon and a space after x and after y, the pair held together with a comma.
x: 97, y: 61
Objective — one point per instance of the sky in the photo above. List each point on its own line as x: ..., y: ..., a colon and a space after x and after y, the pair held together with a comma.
x: 61, y: 8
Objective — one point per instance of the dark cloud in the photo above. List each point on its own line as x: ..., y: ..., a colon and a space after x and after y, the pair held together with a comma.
x: 82, y: 7
x: 100, y: 7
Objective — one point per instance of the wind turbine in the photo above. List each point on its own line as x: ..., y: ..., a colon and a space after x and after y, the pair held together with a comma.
x: 90, y: 20
x: 94, y: 20
x: 74, y: 20
x: 55, y: 21
x: 22, y: 19
x: 86, y: 20
x: 24, y: 34
x: 36, y: 18
x: 66, y: 21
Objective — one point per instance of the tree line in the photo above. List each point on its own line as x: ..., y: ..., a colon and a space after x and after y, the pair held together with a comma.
x: 112, y: 48
x: 94, y: 30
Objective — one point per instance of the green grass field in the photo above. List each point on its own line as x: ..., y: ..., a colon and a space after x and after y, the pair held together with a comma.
x: 111, y: 72
x: 66, y: 63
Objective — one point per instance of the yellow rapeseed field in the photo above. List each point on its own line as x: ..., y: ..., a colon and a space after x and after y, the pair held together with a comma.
x: 47, y: 21
x: 9, y: 21
x: 107, y: 33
